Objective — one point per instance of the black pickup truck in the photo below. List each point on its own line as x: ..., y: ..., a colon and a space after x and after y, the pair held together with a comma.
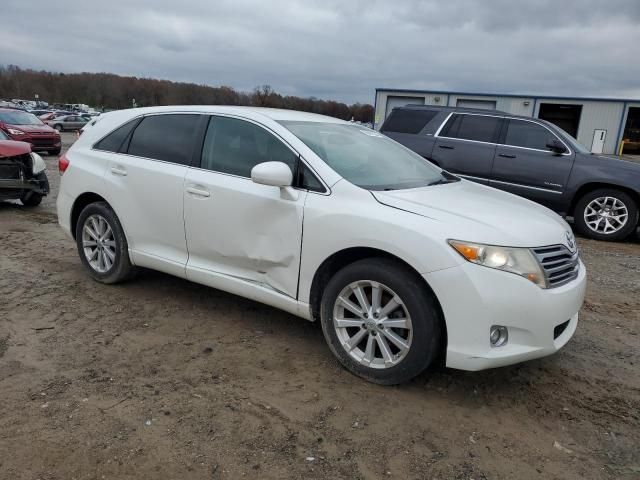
x: 529, y: 157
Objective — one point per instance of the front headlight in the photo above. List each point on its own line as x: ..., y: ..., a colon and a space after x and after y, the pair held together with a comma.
x: 13, y: 131
x: 38, y: 163
x: 520, y: 261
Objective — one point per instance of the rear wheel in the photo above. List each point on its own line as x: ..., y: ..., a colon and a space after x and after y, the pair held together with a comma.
x: 606, y: 214
x: 380, y: 322
x: 54, y: 152
x: 102, y: 245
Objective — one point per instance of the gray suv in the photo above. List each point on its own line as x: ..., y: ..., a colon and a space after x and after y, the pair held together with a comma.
x: 528, y: 157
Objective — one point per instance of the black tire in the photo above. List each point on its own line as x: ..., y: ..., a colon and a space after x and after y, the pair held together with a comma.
x: 31, y: 199
x: 419, y: 302
x: 58, y: 127
x: 121, y: 268
x: 625, y: 198
x: 54, y: 152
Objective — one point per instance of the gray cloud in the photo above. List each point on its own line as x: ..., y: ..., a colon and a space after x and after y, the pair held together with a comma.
x: 338, y: 49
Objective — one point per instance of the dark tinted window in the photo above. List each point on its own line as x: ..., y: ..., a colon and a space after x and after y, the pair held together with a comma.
x: 307, y: 180
x: 472, y: 127
x: 528, y: 134
x: 165, y: 137
x: 408, y: 121
x: 113, y: 141
x: 236, y: 146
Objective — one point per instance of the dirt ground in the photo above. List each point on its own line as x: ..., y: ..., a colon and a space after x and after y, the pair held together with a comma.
x: 160, y: 378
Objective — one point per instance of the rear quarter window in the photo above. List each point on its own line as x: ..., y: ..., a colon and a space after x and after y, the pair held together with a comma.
x: 113, y: 142
x: 408, y: 121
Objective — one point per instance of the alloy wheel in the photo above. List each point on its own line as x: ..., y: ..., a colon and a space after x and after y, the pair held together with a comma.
x: 372, y: 324
x: 606, y: 215
x: 98, y: 243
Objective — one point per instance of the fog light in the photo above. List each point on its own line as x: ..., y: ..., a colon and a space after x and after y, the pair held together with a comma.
x: 498, y: 335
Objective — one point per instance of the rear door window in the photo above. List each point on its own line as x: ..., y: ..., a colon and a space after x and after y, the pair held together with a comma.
x: 169, y: 137
x: 408, y: 120
x: 480, y: 128
x: 528, y: 135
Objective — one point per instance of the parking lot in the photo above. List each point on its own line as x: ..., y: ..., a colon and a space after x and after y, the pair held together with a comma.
x: 162, y: 378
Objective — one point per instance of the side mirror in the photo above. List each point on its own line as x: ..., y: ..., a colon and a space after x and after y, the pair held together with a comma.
x: 276, y: 174
x: 556, y: 146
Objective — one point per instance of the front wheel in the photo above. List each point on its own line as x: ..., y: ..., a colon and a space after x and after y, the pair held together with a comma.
x: 58, y: 127
x: 31, y: 199
x: 606, y: 214
x: 102, y: 245
x: 380, y: 321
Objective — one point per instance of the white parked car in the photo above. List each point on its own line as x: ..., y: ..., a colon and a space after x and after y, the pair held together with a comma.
x: 401, y: 262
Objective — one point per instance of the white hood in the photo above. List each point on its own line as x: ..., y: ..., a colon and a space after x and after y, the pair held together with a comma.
x: 482, y: 214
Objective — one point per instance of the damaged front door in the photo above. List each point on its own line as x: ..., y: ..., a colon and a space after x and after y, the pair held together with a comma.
x: 236, y: 227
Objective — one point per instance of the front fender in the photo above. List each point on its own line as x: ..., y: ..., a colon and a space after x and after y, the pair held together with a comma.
x: 351, y: 219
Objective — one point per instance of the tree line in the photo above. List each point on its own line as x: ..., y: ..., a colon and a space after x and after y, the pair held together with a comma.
x: 109, y: 91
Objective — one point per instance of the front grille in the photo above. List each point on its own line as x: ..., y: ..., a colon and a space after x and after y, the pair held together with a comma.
x: 16, y: 167
x: 43, y: 142
x: 560, y: 265
x: 9, y: 172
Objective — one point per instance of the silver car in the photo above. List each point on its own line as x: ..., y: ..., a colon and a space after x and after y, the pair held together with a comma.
x: 67, y: 122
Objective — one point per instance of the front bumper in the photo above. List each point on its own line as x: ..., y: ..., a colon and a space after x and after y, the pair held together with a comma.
x: 40, y: 142
x: 473, y: 298
x: 14, y: 188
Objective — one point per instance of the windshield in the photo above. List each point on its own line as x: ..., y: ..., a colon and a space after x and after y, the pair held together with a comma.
x: 19, y: 118
x: 365, y: 157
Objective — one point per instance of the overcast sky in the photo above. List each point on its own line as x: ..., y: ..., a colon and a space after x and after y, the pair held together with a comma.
x: 340, y: 49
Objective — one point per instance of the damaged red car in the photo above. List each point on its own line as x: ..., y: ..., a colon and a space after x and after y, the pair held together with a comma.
x: 22, y: 173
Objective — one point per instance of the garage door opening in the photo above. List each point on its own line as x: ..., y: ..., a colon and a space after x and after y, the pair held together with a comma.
x: 481, y: 104
x: 631, y: 135
x: 567, y: 117
x: 393, y: 102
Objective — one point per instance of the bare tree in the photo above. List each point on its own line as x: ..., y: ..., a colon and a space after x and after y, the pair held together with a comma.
x: 114, y: 91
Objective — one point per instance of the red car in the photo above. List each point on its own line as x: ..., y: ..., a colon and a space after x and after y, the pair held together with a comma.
x: 22, y: 173
x: 25, y: 127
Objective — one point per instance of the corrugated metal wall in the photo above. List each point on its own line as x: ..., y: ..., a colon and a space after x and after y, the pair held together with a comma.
x: 596, y: 115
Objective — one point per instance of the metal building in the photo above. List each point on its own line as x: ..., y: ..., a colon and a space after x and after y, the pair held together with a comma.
x: 604, y: 125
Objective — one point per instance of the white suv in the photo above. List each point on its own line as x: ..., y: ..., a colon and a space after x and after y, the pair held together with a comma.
x: 399, y: 260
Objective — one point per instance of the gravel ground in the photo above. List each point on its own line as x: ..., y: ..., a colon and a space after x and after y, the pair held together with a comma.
x: 162, y: 378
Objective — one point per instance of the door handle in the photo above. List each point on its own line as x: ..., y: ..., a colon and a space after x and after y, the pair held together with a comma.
x: 505, y: 155
x: 448, y: 147
x: 199, y: 192
x: 119, y: 171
